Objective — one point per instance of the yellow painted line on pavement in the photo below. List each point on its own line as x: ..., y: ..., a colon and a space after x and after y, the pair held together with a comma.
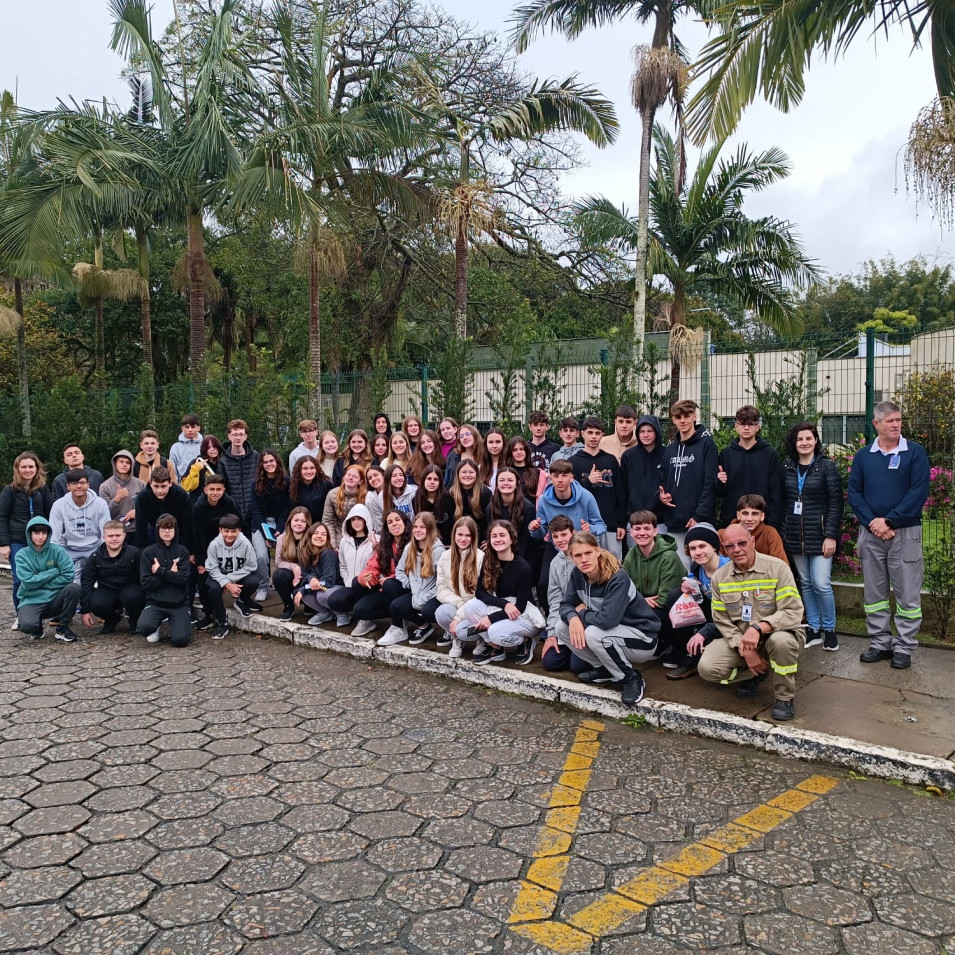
x: 651, y: 885
x: 537, y: 898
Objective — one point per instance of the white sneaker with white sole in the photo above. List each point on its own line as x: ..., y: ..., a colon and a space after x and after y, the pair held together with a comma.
x: 364, y: 628
x: 392, y: 636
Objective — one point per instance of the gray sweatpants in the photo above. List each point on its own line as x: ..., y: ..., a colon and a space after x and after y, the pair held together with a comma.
x: 617, y: 651
x: 897, y: 562
x: 61, y: 607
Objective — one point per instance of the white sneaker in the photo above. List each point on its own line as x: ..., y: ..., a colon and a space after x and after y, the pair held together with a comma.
x: 323, y: 616
x: 153, y: 637
x: 16, y: 625
x: 393, y: 635
x: 364, y: 628
x: 262, y: 594
x: 342, y: 619
x: 457, y: 650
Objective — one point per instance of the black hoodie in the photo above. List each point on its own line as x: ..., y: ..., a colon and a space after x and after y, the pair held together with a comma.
x: 640, y: 474
x: 167, y: 587
x: 751, y: 471
x: 205, y: 523
x: 149, y: 509
x: 688, y: 472
x: 112, y: 573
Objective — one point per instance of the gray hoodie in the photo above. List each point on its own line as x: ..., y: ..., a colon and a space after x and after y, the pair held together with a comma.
x: 184, y: 452
x: 422, y: 588
x: 108, y: 489
x: 79, y: 530
x: 230, y: 565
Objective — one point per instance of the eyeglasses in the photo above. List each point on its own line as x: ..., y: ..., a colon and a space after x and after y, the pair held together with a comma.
x: 737, y: 545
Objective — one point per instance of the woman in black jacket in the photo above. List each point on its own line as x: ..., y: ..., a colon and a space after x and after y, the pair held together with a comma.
x: 271, y: 506
x: 309, y: 487
x: 811, y: 523
x: 25, y: 497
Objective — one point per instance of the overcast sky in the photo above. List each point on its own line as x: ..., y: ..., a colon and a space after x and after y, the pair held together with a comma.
x: 846, y: 195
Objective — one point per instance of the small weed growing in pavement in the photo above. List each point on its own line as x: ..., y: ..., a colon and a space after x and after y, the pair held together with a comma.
x: 637, y: 720
x: 857, y: 776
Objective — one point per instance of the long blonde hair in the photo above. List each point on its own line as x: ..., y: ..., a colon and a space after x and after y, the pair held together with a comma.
x: 295, y: 550
x: 464, y: 571
x: 474, y: 496
x: 422, y: 552
x: 607, y: 564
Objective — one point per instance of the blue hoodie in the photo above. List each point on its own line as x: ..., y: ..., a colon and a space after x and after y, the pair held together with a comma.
x: 45, y: 572
x: 581, y: 507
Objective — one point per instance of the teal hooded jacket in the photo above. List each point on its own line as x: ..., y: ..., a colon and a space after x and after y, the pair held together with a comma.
x: 45, y: 572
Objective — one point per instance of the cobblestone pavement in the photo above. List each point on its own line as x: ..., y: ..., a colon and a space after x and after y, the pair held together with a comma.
x: 252, y: 797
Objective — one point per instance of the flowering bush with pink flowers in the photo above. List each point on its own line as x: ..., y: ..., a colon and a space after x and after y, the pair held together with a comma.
x: 939, y: 503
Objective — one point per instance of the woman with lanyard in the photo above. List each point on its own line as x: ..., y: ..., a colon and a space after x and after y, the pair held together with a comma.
x: 811, y: 522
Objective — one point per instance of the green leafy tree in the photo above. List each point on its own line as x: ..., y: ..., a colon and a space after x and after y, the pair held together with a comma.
x: 764, y: 47
x: 660, y: 76
x: 700, y: 238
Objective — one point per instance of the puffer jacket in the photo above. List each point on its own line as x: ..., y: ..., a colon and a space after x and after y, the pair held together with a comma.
x: 16, y: 510
x: 822, y: 505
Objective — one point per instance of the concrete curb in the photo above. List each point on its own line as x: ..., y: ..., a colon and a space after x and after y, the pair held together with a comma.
x: 871, y: 760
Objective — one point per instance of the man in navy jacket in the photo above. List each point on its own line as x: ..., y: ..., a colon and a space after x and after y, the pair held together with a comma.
x: 888, y: 487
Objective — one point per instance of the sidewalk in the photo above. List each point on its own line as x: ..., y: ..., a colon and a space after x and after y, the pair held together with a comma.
x: 896, y: 724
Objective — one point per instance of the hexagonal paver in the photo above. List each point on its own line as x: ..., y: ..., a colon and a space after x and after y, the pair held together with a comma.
x: 59, y: 794
x: 179, y: 866
x: 340, y: 881
x: 236, y: 765
x: 484, y: 864
x: 29, y: 886
x: 316, y: 847
x: 45, y: 850
x: 116, y: 934
x: 186, y: 833
x: 115, y: 826
x: 782, y: 934
x: 32, y: 926
x: 427, y: 891
x: 114, y: 858
x: 183, y: 759
x: 369, y: 800
x: 112, y: 895
x: 878, y: 939
x: 316, y: 818
x: 825, y: 903
x: 361, y: 925
x: 387, y: 824
x: 188, y: 904
x: 208, y: 938
x: 939, y: 884
x: 262, y: 873
x: 242, y: 812
x: 42, y: 822
x: 256, y: 839
x: 271, y: 913
x: 185, y: 805
x: 917, y: 913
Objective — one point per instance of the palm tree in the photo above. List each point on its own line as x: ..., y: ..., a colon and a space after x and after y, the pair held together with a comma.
x: 660, y: 75
x: 701, y: 241
x: 320, y: 156
x: 199, y: 106
x: 469, y: 204
x: 765, y: 47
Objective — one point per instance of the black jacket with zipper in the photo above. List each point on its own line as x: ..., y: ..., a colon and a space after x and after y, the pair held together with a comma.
x: 822, y: 505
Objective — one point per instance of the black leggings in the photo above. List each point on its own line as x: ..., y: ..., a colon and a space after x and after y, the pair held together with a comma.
x: 366, y: 603
x: 402, y: 609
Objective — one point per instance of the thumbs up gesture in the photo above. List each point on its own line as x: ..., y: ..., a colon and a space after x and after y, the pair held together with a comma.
x: 721, y: 475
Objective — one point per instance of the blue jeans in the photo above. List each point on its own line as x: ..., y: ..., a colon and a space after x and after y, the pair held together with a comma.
x: 815, y: 580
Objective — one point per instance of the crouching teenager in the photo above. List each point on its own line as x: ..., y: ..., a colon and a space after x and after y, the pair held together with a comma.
x: 501, y: 612
x: 45, y: 571
x: 164, y: 575
x: 605, y: 620
x: 109, y: 581
x: 232, y: 566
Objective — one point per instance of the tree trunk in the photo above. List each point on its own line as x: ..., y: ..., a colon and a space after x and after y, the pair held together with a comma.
x: 99, y: 332
x: 643, y: 216
x: 251, y: 320
x: 461, y: 280
x: 142, y: 254
x: 22, y: 360
x: 197, y: 302
x: 677, y: 317
x: 314, y: 327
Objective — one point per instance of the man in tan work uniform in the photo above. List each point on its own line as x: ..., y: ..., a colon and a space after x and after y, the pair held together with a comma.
x: 757, y: 609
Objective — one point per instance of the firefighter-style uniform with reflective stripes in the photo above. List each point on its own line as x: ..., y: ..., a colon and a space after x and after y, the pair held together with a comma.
x: 742, y: 598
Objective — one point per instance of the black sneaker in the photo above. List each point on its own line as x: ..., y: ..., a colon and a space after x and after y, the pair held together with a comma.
x: 783, y: 711
x: 900, y: 661
x: 64, y: 633
x: 253, y: 606
x: 205, y: 622
x: 243, y: 608
x: 632, y: 688
x: 872, y: 655
x: 420, y: 634
x: 749, y: 689
x: 444, y: 639
x: 829, y: 640
x: 489, y: 655
x: 110, y: 624
x: 37, y: 634
x: 813, y: 638
x: 221, y: 631
x: 525, y: 654
x: 597, y: 675
x: 288, y: 613
x: 683, y: 671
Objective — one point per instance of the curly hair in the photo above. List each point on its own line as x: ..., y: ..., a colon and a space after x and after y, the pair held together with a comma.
x: 298, y: 482
x: 263, y: 483
x: 389, y: 547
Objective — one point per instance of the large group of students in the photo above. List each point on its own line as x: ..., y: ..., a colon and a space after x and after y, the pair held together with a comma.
x: 602, y: 551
